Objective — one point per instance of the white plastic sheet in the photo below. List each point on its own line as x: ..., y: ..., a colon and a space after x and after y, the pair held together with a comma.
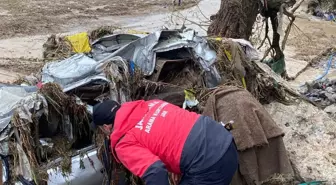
x: 69, y: 70
x: 10, y: 96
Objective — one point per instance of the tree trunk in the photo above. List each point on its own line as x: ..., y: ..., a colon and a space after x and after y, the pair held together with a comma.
x: 235, y: 19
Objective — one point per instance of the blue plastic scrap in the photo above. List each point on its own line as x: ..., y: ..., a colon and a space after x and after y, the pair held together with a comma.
x: 313, y: 183
x: 327, y: 68
x: 132, y: 66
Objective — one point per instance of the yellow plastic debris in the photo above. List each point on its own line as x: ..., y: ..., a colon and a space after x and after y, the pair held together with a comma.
x: 228, y: 55
x: 80, y: 42
x: 189, y: 94
x: 244, y: 82
x: 216, y: 38
x: 190, y: 99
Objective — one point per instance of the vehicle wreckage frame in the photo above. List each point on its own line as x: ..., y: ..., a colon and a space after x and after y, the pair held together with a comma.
x: 112, y: 58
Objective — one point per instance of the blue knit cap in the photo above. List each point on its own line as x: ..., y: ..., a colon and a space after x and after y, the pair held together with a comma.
x: 105, y: 112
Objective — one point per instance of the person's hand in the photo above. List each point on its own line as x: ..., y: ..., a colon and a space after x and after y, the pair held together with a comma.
x: 176, y: 178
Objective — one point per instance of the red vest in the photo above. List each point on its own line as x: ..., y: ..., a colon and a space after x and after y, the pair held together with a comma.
x: 148, y: 131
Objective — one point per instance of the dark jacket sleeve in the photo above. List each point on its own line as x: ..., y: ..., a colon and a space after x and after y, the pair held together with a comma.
x: 141, y: 162
x: 156, y: 174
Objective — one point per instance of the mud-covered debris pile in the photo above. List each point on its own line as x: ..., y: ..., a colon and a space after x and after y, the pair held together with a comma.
x: 58, y: 47
x: 324, y: 9
x: 322, y: 92
x: 177, y: 66
x: 48, y: 124
x: 101, y: 32
x: 234, y: 64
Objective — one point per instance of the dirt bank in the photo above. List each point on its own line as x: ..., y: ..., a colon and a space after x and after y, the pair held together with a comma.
x: 30, y: 17
x: 12, y: 69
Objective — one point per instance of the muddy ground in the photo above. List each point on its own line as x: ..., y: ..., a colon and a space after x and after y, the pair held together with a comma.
x: 30, y: 17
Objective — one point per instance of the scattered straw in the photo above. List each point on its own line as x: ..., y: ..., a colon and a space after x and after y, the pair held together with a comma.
x: 117, y: 168
x: 63, y: 106
x: 29, y: 142
x: 280, y: 179
x: 19, y: 80
x: 57, y: 48
x: 66, y: 105
x: 232, y: 67
x: 101, y: 31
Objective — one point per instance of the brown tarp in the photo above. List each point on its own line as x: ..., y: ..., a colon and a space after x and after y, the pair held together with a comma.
x: 262, y: 153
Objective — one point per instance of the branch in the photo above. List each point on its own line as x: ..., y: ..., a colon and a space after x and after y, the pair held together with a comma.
x: 296, y: 6
x: 308, y: 37
x: 266, y: 34
x: 266, y: 53
x: 290, y: 14
x: 193, y: 22
x: 269, y: 40
x: 197, y: 5
x: 288, y: 29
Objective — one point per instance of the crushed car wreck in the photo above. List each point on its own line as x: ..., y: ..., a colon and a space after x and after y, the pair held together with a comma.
x: 45, y: 132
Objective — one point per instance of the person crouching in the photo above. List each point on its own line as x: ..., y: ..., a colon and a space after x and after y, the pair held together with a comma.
x: 152, y: 138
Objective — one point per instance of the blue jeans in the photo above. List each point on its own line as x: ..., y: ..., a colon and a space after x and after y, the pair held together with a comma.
x: 220, y: 173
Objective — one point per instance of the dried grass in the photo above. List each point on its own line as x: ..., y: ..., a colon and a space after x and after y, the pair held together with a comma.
x: 117, y: 168
x: 19, y: 80
x: 278, y: 179
x: 61, y: 104
x: 101, y: 32
x: 29, y: 141
x: 262, y: 86
x: 57, y: 48
x: 66, y: 105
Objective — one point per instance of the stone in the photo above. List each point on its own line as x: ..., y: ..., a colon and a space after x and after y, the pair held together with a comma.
x: 325, y: 103
x: 330, y: 97
x: 323, y: 94
x: 315, y: 99
x: 329, y: 89
x: 331, y: 109
x: 316, y: 85
x: 333, y: 81
x: 318, y: 91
